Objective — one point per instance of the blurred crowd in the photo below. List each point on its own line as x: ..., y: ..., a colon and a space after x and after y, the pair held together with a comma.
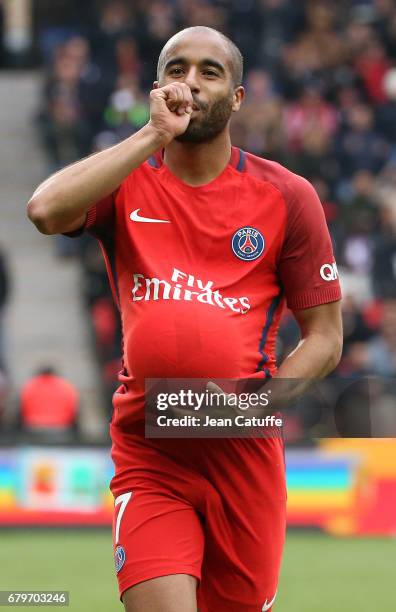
x: 320, y: 79
x: 4, y: 297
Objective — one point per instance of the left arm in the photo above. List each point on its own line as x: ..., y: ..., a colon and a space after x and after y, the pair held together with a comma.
x: 309, y: 277
x: 320, y: 347
x: 317, y: 353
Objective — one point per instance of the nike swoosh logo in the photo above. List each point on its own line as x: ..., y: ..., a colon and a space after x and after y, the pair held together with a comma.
x: 266, y: 605
x: 134, y: 216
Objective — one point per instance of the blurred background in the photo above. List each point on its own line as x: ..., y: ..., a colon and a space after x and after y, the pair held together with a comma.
x: 321, y: 99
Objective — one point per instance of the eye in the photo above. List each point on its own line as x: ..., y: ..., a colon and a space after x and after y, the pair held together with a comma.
x: 176, y: 71
x: 209, y: 72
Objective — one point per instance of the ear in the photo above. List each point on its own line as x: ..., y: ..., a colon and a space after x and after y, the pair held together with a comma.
x: 239, y: 94
x: 155, y: 85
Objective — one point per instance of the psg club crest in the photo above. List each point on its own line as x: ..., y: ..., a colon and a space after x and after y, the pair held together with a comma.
x: 119, y: 558
x: 248, y: 243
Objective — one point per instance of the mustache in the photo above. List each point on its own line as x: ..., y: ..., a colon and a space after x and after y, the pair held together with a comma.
x: 200, y: 105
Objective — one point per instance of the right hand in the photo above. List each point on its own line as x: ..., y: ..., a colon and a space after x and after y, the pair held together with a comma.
x: 170, y: 110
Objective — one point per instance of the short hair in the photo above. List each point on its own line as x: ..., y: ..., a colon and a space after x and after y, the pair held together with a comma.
x: 236, y: 58
x: 46, y: 370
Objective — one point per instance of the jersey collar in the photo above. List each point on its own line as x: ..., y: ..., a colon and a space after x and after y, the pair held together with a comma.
x: 237, y: 159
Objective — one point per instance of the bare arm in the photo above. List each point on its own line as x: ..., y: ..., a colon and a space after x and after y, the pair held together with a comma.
x: 316, y: 355
x: 61, y: 202
x: 319, y: 349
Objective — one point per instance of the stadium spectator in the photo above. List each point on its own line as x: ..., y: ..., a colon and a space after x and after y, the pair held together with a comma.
x: 360, y: 224
x: 314, y: 160
x: 360, y: 146
x: 4, y: 390
x: 384, y: 255
x: 159, y: 22
x: 49, y: 404
x: 258, y: 126
x: 382, y: 348
x: 65, y: 131
x: 372, y: 66
x: 317, y: 50
x: 4, y: 295
x: 386, y: 112
x: 2, y: 49
x: 385, y: 22
x: 356, y: 327
x: 127, y: 110
x: 310, y: 115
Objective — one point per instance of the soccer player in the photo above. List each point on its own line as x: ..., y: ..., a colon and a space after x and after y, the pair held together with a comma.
x: 203, y: 244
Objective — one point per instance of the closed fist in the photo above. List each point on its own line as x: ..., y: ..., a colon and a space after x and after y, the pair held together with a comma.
x: 170, y: 110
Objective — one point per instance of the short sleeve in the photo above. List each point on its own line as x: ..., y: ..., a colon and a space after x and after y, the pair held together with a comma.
x: 99, y: 219
x: 308, y: 271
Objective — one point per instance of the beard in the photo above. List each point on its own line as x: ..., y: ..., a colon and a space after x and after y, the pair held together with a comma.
x: 210, y: 123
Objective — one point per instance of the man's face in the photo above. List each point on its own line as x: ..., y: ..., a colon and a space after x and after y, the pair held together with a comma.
x: 202, y: 62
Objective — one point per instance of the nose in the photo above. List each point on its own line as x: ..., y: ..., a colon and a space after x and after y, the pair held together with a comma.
x: 191, y: 79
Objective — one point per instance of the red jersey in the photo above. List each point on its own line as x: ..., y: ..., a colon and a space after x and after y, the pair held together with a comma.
x: 200, y: 274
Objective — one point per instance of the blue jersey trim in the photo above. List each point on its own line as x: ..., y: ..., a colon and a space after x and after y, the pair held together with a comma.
x: 153, y: 162
x: 242, y: 159
x: 264, y: 335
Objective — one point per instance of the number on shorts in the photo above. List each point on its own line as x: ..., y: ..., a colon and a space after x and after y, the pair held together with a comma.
x: 123, y: 500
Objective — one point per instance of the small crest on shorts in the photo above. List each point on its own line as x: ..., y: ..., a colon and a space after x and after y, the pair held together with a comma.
x: 248, y: 243
x: 119, y: 558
